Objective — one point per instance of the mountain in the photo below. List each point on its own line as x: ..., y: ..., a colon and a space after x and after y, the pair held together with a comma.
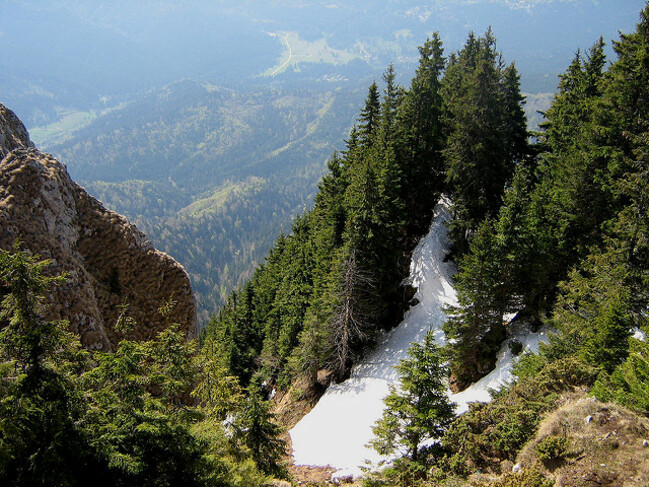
x: 213, y: 167
x: 549, y: 235
x: 106, y: 53
x: 212, y: 174
x: 13, y: 134
x: 113, y: 271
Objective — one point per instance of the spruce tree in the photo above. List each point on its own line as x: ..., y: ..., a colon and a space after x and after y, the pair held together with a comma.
x: 260, y: 433
x: 475, y: 327
x: 369, y: 120
x: 420, y: 138
x: 41, y: 407
x: 486, y: 134
x: 419, y: 408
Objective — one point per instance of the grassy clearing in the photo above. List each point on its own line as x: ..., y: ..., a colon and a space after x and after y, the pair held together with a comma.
x: 59, y: 131
x: 604, y: 445
x: 219, y: 199
x: 297, y: 51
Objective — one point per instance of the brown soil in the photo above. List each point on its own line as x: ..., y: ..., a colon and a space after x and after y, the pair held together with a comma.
x: 607, y: 445
x: 312, y: 476
x: 290, y: 408
x: 293, y: 405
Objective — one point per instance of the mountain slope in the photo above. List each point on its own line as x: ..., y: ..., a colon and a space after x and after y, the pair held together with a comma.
x: 109, y: 262
x: 211, y: 174
x: 349, y: 409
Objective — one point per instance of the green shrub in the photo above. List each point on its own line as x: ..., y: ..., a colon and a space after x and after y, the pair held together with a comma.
x: 552, y: 447
x: 528, y: 365
x: 490, y: 433
x: 373, y: 481
x: 515, y: 347
x: 629, y: 383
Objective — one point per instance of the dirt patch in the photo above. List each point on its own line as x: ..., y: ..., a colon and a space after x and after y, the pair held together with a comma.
x: 293, y: 405
x: 312, y: 476
x: 602, y: 445
x: 290, y: 408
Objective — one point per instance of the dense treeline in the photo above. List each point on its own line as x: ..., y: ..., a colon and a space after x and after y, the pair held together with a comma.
x: 576, y: 215
x: 557, y: 232
x: 330, y: 286
x: 154, y: 413
x: 568, y: 248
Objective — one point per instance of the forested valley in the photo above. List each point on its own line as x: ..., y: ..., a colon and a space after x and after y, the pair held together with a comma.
x: 327, y: 289
x: 211, y: 174
x: 552, y: 226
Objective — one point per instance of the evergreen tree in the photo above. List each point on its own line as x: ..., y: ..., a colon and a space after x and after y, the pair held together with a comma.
x: 486, y: 133
x: 70, y: 417
x: 137, y: 419
x: 578, y: 176
x: 420, y: 138
x: 260, y: 433
x: 370, y: 116
x: 294, y: 292
x: 628, y: 384
x: 390, y: 105
x: 41, y: 408
x: 475, y: 326
x: 593, y: 312
x: 419, y: 408
x: 492, y: 281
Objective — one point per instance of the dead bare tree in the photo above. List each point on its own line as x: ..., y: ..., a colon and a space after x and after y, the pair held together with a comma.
x: 352, y: 321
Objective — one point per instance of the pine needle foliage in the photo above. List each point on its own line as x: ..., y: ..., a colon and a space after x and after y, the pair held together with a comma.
x: 69, y: 417
x: 419, y: 408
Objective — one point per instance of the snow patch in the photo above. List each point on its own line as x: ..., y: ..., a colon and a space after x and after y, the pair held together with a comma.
x: 338, y: 429
x: 336, y: 432
x: 638, y: 334
x: 502, y: 373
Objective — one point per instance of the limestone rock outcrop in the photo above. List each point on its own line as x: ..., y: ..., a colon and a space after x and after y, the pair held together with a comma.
x: 13, y: 134
x: 109, y: 262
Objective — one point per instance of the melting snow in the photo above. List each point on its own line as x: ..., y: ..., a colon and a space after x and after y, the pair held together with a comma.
x: 502, y: 373
x: 338, y: 429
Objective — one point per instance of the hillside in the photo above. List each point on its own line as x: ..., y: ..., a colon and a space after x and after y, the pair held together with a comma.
x: 211, y: 174
x: 113, y: 269
x: 553, y: 233
x: 108, y: 113
x: 605, y: 444
x: 100, y: 379
x: 532, y: 279
x: 243, y: 165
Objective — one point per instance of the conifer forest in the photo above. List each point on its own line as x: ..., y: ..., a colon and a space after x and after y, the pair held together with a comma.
x: 551, y: 226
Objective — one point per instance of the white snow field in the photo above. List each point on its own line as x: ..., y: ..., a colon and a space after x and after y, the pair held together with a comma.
x: 336, y: 432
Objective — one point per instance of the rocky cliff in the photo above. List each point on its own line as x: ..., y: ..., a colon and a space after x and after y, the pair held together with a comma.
x: 13, y: 134
x: 109, y: 262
